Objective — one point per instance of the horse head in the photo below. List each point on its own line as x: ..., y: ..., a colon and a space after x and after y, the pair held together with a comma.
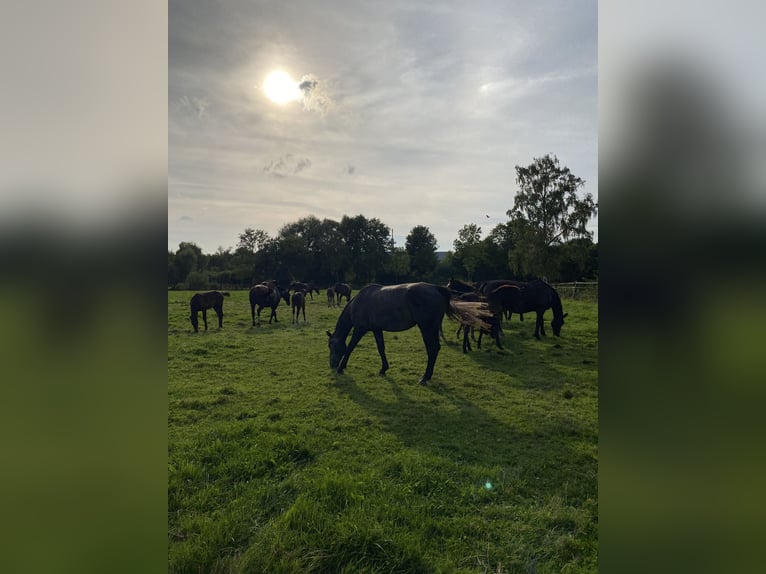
x: 337, y: 349
x: 557, y: 323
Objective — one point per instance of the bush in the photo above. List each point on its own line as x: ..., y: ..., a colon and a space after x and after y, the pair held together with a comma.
x: 197, y: 281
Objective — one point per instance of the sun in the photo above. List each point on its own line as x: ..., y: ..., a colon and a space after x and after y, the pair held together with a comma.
x: 280, y: 88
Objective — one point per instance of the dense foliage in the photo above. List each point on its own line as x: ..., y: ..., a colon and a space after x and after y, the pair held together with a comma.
x: 545, y: 236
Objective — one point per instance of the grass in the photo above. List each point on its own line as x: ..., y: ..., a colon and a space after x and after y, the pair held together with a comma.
x: 277, y: 464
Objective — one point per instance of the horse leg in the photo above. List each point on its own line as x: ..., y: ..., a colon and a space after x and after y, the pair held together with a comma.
x: 355, y: 336
x: 204, y: 317
x: 195, y: 322
x: 304, y: 314
x: 431, y: 340
x: 219, y: 312
x: 481, y: 334
x: 466, y: 340
x: 537, y: 325
x: 381, y: 351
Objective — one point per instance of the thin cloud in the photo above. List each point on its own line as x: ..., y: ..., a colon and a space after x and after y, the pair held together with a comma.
x: 313, y: 95
x: 286, y: 165
x: 193, y: 105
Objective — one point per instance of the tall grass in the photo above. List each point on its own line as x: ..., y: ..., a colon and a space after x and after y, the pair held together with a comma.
x: 278, y: 464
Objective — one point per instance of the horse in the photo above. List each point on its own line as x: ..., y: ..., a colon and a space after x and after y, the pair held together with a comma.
x: 312, y: 287
x: 494, y: 332
x: 265, y: 295
x: 459, y: 287
x: 299, y: 304
x: 505, y: 299
x: 342, y: 290
x: 203, y: 302
x: 538, y: 296
x: 398, y: 308
x: 331, y: 297
x: 307, y: 288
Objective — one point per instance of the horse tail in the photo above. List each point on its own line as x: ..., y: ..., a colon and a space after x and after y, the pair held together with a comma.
x: 471, y: 313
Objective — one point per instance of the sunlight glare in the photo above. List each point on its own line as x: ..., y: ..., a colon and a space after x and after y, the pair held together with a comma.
x: 280, y: 88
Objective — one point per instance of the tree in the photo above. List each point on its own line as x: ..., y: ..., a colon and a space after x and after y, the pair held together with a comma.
x: 368, y: 245
x: 252, y: 240
x: 468, y: 248
x: 421, y: 248
x: 188, y: 258
x: 547, y: 211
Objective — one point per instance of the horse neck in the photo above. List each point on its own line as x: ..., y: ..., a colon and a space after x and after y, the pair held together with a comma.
x: 558, y: 310
x: 344, y: 324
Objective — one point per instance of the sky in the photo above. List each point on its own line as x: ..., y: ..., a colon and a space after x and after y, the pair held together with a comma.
x: 412, y: 112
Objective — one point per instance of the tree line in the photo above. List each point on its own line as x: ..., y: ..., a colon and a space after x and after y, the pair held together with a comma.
x: 545, y: 236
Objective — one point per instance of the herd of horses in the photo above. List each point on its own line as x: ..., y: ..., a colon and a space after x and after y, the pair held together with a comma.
x: 376, y: 308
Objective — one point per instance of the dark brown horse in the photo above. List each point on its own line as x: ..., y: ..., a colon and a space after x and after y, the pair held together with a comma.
x: 203, y: 302
x: 267, y: 296
x: 331, y: 297
x: 398, y: 308
x: 538, y: 296
x: 299, y: 304
x: 307, y: 288
x: 342, y: 290
x: 494, y: 332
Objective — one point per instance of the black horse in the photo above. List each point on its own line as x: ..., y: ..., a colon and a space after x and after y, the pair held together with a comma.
x: 538, y: 296
x: 203, y: 302
x: 398, y: 308
x: 267, y: 296
x: 460, y: 287
x: 342, y: 290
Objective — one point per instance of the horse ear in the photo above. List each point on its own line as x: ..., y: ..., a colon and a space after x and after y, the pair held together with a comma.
x: 329, y: 334
x: 564, y: 315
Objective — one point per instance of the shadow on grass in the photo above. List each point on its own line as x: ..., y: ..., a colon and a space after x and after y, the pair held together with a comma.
x: 536, y: 451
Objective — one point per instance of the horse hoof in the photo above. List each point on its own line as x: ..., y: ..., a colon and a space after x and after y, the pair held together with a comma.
x: 423, y: 382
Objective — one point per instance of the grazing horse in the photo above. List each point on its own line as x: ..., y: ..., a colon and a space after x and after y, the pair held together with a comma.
x: 538, y: 296
x: 267, y: 296
x: 299, y: 304
x: 398, y: 308
x: 331, y: 297
x: 342, y: 290
x: 203, y: 302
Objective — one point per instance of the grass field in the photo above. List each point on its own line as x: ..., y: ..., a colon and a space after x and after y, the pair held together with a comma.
x: 278, y: 464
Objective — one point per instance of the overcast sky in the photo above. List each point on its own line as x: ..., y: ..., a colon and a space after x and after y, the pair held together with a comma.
x: 413, y: 112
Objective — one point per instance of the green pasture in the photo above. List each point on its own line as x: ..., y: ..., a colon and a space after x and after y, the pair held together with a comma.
x: 278, y: 464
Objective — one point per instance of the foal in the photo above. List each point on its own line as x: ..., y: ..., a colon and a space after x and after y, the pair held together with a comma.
x: 331, y: 297
x: 299, y: 304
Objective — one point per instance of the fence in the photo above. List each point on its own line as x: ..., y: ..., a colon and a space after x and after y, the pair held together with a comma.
x: 578, y: 290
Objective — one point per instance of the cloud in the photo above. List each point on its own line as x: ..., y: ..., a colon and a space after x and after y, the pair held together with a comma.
x: 286, y: 165
x: 313, y: 95
x: 185, y: 218
x: 194, y: 105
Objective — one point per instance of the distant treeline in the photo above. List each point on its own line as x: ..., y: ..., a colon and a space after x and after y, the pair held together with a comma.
x: 358, y: 250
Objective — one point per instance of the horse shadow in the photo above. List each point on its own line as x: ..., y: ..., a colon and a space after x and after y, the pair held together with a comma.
x: 441, y: 422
